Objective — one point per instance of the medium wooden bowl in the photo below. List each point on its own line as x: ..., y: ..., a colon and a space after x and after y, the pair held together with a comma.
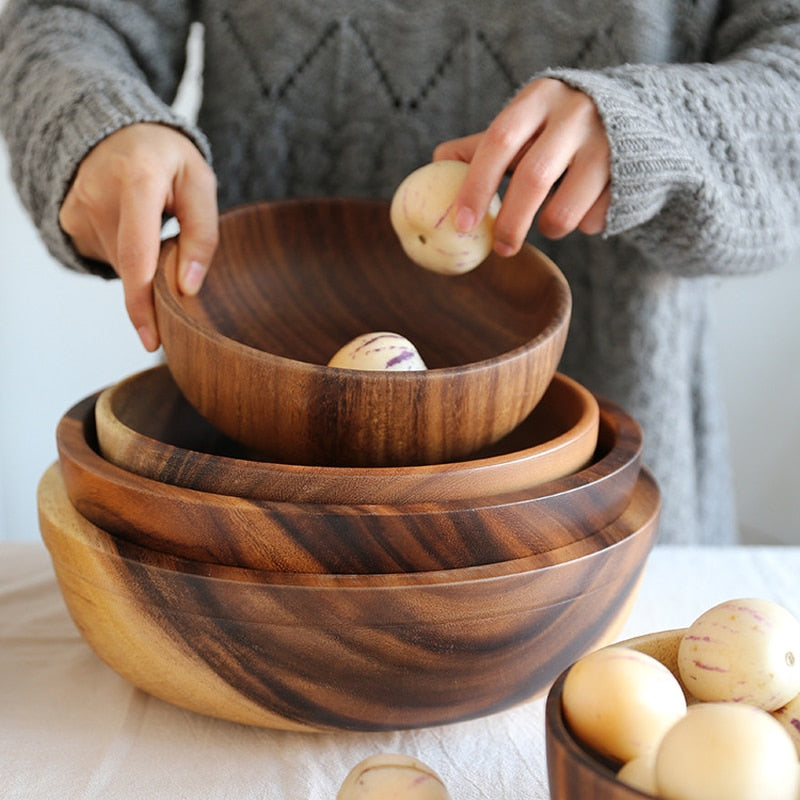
x: 575, y: 771
x: 294, y: 280
x: 146, y: 425
x: 332, y: 652
x: 316, y: 537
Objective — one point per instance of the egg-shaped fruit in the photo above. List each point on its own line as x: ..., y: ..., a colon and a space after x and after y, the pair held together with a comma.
x: 422, y: 213
x: 620, y: 701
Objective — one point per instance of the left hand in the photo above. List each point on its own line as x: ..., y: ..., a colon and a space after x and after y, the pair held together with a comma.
x: 552, y: 140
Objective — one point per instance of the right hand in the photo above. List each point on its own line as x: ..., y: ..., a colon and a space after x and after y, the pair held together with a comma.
x: 113, y: 213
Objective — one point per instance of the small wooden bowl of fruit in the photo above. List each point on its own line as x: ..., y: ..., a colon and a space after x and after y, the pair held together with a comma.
x: 294, y: 281
x: 707, y: 712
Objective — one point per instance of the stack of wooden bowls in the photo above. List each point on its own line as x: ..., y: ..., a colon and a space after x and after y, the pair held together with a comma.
x: 251, y: 534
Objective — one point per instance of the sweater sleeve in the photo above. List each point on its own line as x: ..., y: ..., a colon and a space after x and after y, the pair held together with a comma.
x: 705, y: 157
x: 70, y: 75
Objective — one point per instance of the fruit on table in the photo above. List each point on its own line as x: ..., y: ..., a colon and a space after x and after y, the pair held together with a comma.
x: 392, y: 776
x: 727, y: 750
x: 744, y: 650
x: 640, y: 773
x: 381, y: 350
x: 620, y: 701
x: 422, y: 215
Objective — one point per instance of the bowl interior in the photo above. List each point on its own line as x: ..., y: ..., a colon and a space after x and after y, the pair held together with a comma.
x: 146, y: 425
x: 299, y: 279
x: 575, y: 770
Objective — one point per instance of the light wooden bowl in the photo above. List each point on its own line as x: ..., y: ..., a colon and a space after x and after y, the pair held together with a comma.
x: 575, y: 771
x: 316, y: 537
x: 146, y: 425
x: 294, y: 280
x: 356, y: 652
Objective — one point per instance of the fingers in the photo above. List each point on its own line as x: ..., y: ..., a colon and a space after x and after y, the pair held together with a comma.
x: 585, y: 180
x: 195, y: 207
x: 595, y: 220
x: 114, y: 209
x: 476, y: 193
x: 552, y: 141
x: 136, y: 257
x: 462, y: 149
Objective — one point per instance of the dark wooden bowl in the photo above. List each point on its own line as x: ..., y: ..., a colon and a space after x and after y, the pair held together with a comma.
x: 316, y: 537
x: 146, y: 425
x: 293, y: 281
x: 332, y: 652
x: 575, y: 771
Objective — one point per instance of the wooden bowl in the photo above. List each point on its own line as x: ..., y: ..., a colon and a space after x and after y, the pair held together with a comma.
x: 574, y: 770
x: 332, y: 652
x: 316, y: 537
x: 294, y: 280
x: 146, y: 425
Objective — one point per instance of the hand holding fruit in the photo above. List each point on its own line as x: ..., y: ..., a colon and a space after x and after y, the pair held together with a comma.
x: 552, y: 140
x: 423, y: 217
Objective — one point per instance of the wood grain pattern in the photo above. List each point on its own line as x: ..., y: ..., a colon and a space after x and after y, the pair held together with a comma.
x: 293, y: 281
x: 145, y: 425
x: 575, y: 772
x: 333, y: 652
x: 320, y: 538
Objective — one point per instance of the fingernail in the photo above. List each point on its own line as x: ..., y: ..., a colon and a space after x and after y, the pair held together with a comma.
x: 465, y: 220
x: 193, y: 276
x: 148, y: 338
x: 503, y: 249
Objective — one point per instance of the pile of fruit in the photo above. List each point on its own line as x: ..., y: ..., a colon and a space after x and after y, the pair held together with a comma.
x: 734, y: 732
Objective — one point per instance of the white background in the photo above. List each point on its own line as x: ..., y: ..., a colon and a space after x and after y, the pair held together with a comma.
x: 64, y: 335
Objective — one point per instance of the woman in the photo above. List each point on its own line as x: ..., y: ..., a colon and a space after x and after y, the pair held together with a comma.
x: 653, y: 145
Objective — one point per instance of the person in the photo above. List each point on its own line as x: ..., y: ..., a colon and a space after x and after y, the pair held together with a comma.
x: 648, y: 146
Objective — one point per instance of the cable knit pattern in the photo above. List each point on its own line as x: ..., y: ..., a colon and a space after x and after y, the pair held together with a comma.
x: 700, y: 99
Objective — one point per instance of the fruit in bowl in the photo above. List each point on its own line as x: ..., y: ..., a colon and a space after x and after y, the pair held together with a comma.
x: 721, y: 747
x: 292, y: 281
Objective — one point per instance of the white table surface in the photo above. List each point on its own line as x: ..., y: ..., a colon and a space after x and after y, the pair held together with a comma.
x: 71, y: 729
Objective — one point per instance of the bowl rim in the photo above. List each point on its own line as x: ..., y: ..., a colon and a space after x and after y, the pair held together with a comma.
x: 118, y: 499
x: 164, y: 281
x: 639, y: 518
x: 586, y: 426
x: 608, y: 466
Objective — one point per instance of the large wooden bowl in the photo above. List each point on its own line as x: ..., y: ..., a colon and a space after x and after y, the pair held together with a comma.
x: 294, y: 280
x: 575, y: 771
x: 146, y: 425
x: 328, y: 652
x: 316, y: 537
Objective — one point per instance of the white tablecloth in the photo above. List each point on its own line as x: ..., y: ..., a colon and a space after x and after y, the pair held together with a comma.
x: 71, y: 729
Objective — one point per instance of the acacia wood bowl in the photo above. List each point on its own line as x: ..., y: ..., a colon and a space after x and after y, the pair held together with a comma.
x: 146, y: 425
x: 292, y: 281
x: 324, y: 538
x: 575, y: 771
x: 333, y: 652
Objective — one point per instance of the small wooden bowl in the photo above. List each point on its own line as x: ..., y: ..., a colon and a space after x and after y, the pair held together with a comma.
x: 574, y: 770
x: 146, y: 425
x: 321, y: 538
x: 333, y: 652
x: 292, y: 281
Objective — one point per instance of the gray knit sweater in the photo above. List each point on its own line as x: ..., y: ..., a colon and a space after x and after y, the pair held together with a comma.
x: 700, y: 99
